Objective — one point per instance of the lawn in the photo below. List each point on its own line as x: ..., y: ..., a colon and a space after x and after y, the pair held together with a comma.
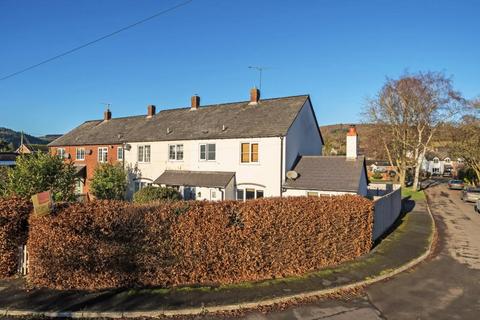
x: 413, y: 194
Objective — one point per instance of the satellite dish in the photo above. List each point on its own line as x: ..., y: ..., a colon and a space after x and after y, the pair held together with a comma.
x: 128, y: 147
x: 292, y: 175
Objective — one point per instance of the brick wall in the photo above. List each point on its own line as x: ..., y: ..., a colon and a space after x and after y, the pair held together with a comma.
x: 91, y: 159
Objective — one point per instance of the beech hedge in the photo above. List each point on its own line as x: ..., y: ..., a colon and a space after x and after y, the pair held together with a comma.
x: 112, y: 244
x: 14, y: 214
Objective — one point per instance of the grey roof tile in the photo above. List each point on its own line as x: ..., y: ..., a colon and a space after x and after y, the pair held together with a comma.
x: 331, y: 173
x: 271, y: 117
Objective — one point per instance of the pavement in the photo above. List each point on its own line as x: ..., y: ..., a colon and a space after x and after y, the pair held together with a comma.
x: 445, y: 286
x: 410, y: 240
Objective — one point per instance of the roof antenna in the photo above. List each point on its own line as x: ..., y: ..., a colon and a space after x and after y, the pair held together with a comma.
x: 107, y: 106
x: 260, y: 71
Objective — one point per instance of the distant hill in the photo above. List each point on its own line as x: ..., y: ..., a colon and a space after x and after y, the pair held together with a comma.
x: 13, y: 138
x: 335, y: 137
x: 50, y: 137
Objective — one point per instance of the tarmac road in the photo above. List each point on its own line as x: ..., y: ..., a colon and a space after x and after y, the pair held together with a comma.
x: 447, y: 286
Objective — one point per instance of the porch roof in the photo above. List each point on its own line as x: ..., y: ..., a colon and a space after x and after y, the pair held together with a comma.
x: 209, y: 179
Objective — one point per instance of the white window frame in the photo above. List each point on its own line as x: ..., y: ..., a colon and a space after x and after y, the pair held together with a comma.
x: 140, y: 184
x: 176, y: 152
x: 81, y: 152
x: 144, y: 156
x: 61, y: 153
x: 250, y: 152
x: 436, y: 160
x: 207, y: 152
x: 120, y: 154
x: 102, y: 154
x: 244, y: 193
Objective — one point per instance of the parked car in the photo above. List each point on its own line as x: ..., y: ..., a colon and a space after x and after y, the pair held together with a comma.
x: 477, y: 206
x: 456, y: 185
x: 471, y: 195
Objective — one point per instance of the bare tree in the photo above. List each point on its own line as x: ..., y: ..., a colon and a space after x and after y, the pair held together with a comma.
x: 408, y: 111
x: 465, y: 139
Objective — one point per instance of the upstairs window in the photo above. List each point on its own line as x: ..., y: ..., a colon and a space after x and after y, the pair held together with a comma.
x: 175, y: 152
x: 61, y: 153
x: 207, y: 152
x: 103, y: 154
x: 144, y: 153
x: 120, y: 153
x: 80, y: 153
x: 249, y: 152
x: 447, y: 160
x: 435, y: 160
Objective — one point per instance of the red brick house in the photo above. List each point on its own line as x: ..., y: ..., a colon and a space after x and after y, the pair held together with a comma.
x: 86, y: 157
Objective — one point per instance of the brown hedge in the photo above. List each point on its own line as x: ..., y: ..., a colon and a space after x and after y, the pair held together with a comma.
x: 108, y: 244
x: 14, y: 214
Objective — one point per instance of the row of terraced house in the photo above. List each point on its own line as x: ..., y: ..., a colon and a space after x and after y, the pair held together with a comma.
x: 239, y: 150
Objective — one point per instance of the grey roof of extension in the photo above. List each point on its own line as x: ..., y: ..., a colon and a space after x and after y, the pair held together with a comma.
x: 269, y: 118
x: 330, y: 173
x: 211, y: 179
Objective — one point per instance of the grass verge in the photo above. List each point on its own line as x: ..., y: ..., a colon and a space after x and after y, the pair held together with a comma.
x: 413, y: 194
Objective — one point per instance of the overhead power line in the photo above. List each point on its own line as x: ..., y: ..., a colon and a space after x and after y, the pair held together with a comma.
x: 96, y: 40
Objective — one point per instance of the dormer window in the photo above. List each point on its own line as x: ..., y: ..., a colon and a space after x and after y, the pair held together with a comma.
x: 435, y: 160
x: 447, y: 160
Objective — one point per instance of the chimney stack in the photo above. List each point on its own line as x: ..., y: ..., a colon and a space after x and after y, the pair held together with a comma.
x: 254, y: 96
x: 107, y: 115
x: 150, y: 111
x: 195, y: 102
x: 352, y: 143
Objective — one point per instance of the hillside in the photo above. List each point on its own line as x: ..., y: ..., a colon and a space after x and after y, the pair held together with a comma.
x: 335, y: 140
x: 13, y: 138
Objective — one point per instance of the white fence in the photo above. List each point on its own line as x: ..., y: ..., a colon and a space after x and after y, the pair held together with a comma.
x: 387, y: 209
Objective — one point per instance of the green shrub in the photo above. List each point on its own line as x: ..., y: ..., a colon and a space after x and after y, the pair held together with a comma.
x: 109, y: 182
x: 38, y: 172
x: 151, y: 194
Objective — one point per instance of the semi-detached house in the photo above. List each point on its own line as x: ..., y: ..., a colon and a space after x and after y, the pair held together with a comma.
x: 241, y: 150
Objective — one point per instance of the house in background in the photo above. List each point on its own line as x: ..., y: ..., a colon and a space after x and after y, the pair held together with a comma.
x: 7, y: 159
x: 439, y: 163
x: 240, y: 150
x: 31, y: 148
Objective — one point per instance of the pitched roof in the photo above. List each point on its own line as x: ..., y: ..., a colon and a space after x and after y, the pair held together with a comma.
x: 271, y: 117
x: 211, y: 179
x: 327, y: 173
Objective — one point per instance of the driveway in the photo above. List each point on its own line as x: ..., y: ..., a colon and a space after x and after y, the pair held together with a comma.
x: 447, y: 286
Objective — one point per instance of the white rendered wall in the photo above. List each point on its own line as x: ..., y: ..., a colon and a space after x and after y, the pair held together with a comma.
x: 264, y: 175
x: 303, y: 137
x: 352, y: 150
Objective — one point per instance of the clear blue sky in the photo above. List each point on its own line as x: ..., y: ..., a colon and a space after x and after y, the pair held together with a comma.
x: 338, y: 51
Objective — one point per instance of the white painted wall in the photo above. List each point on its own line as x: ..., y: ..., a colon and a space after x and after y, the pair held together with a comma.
x: 303, y: 137
x: 352, y: 147
x: 264, y: 175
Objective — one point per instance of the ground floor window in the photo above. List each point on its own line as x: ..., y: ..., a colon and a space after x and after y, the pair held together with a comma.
x: 138, y: 185
x: 78, y: 186
x: 436, y: 170
x: 312, y: 194
x: 249, y: 193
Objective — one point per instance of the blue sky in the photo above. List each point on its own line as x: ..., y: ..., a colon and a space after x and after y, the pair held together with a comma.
x: 338, y: 51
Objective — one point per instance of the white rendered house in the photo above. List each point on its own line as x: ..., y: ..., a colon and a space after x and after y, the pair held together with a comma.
x: 237, y: 151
